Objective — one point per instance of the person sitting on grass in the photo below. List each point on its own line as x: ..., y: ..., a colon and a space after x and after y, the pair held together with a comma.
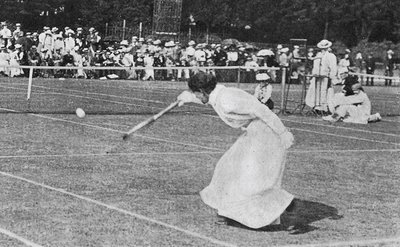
x: 263, y: 91
x: 352, y: 105
x: 246, y: 185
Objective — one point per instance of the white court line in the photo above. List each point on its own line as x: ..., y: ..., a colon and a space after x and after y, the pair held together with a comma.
x: 114, y: 130
x: 123, y: 211
x: 344, y: 151
x: 19, y: 238
x: 341, y: 127
x: 324, y: 133
x: 350, y: 243
x: 184, y: 153
x: 105, y: 154
x: 348, y: 137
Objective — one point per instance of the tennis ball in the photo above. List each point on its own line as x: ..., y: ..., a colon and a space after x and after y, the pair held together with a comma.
x: 80, y: 113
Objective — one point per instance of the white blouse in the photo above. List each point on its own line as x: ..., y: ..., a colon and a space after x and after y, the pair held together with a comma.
x: 238, y: 108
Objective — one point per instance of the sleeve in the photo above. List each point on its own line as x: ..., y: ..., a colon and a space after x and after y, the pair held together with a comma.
x: 245, y: 104
x: 353, y: 99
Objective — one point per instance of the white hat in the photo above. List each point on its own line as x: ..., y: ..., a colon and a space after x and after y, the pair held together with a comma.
x: 18, y: 46
x: 390, y: 51
x: 124, y: 42
x: 134, y: 37
x: 296, y: 47
x: 191, y: 43
x: 262, y: 77
x: 285, y: 49
x: 141, y: 39
x: 279, y: 47
x: 48, y: 32
x: 157, y: 42
x: 324, y: 44
x: 18, y: 24
x: 170, y: 44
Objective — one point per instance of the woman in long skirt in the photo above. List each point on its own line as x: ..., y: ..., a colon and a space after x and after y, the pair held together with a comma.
x: 246, y: 185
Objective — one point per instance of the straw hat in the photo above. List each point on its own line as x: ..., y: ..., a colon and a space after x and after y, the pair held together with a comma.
x: 324, y: 44
x: 262, y: 77
x: 170, y: 44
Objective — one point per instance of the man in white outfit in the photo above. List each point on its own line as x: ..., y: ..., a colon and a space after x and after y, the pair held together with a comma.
x: 324, y: 72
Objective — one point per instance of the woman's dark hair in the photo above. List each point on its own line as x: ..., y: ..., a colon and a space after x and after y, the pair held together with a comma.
x: 202, y: 82
x: 348, y: 83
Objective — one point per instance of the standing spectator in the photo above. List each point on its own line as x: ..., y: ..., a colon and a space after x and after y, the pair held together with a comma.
x: 59, y: 43
x: 35, y: 39
x: 41, y: 38
x: 69, y: 42
x: 283, y: 57
x: 309, y: 62
x: 250, y: 74
x: 324, y: 73
x: 15, y: 60
x: 220, y: 56
x: 48, y: 43
x: 200, y: 55
x: 17, y: 32
x: 389, y: 67
x: 91, y: 40
x: 358, y: 62
x: 370, y: 64
x: 148, y: 61
x: 5, y: 35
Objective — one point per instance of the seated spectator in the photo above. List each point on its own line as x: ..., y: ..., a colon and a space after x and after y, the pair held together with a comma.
x: 34, y: 56
x: 263, y: 91
x: 220, y: 57
x: 4, y: 61
x: 15, y: 59
x: 352, y: 105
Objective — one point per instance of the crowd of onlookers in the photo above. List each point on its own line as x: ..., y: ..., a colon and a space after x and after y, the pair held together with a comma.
x: 82, y: 48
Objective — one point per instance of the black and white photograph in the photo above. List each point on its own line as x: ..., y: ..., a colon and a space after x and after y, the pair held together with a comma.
x: 130, y: 123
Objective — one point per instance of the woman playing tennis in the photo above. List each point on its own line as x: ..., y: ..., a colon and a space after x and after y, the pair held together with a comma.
x: 246, y: 185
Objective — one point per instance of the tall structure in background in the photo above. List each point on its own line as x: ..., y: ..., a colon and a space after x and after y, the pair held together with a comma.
x: 167, y: 18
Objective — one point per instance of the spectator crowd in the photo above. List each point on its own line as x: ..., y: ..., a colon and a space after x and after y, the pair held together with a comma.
x: 82, y: 48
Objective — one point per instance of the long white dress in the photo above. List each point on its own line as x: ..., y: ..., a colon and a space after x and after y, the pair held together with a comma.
x: 246, y: 185
x: 324, y: 68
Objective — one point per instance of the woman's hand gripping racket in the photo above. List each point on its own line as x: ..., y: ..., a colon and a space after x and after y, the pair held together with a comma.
x: 150, y: 120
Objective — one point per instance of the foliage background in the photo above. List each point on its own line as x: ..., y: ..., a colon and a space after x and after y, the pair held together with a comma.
x: 354, y: 23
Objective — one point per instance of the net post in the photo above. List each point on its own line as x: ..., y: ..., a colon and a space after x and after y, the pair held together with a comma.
x: 28, y: 96
x: 238, y: 78
x: 283, y: 82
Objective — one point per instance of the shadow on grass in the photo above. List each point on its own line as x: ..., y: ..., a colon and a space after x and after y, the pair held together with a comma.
x: 298, y: 217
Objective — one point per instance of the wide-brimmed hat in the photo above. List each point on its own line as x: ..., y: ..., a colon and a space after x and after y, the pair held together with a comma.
x: 285, y: 49
x: 324, y: 44
x: 170, y: 44
x: 262, y: 77
x: 124, y: 42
